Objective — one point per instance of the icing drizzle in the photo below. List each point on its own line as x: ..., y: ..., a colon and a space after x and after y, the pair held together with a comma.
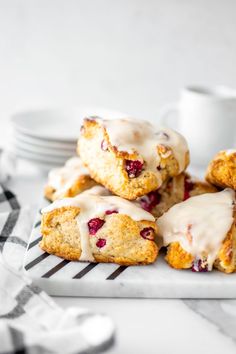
x: 140, y: 136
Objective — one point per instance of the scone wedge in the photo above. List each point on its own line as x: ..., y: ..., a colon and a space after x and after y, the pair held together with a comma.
x: 174, y: 191
x: 200, y: 233
x: 131, y: 157
x: 97, y: 228
x: 68, y: 181
x: 222, y: 169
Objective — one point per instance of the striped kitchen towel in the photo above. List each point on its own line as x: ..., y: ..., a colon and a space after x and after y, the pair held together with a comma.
x: 30, y: 321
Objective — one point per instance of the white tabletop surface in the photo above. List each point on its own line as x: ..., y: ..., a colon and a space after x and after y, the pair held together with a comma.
x: 148, y: 325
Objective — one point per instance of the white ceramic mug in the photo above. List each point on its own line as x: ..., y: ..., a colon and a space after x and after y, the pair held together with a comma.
x: 207, y: 119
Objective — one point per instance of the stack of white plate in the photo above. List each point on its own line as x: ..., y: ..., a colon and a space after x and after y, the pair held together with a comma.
x: 48, y: 138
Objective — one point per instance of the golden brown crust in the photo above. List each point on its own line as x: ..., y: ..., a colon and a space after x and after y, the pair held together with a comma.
x: 178, y: 258
x: 222, y: 170
x: 173, y: 191
x: 124, y: 245
x: 108, y: 167
x: 81, y: 184
x: 226, y: 260
x: 49, y: 192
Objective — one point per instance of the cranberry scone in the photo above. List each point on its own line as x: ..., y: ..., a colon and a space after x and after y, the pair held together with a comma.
x: 222, y: 169
x: 131, y: 157
x: 68, y: 181
x: 173, y: 191
x: 200, y: 232
x: 96, y: 227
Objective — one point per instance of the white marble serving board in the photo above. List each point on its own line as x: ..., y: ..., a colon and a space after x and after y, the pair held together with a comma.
x: 60, y: 277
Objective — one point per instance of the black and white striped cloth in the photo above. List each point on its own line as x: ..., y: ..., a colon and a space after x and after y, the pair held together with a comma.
x: 30, y: 321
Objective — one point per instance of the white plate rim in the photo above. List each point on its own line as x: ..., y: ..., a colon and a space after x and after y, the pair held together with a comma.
x: 41, y: 151
x: 17, y: 120
x: 36, y: 157
x: 43, y: 142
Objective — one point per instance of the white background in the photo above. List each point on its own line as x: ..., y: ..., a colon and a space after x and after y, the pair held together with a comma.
x: 131, y: 56
x: 127, y: 55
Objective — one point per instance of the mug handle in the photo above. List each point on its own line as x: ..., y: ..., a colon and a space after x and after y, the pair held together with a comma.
x: 167, y: 114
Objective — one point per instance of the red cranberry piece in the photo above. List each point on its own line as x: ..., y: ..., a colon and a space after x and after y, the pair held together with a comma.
x: 154, y: 197
x: 101, y: 242
x: 104, y: 145
x: 109, y: 212
x: 133, y: 168
x: 147, y: 233
x: 188, y: 187
x: 150, y: 201
x: 144, y: 202
x: 94, y: 225
x: 199, y: 266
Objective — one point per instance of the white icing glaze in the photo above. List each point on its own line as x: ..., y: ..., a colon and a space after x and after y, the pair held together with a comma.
x: 61, y: 179
x: 93, y: 203
x: 141, y: 136
x: 230, y: 151
x: 199, y: 224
